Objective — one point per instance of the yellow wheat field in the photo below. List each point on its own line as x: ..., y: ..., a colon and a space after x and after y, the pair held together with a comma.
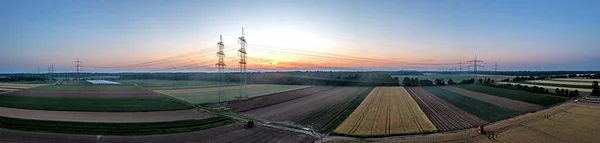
x: 576, y: 79
x: 548, y: 87
x: 386, y: 111
x: 561, y: 82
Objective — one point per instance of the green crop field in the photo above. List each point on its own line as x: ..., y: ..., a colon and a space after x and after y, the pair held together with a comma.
x: 114, y: 128
x: 535, y: 98
x: 455, y: 77
x: 229, y: 95
x: 92, y: 104
x: 481, y: 109
x: 173, y: 84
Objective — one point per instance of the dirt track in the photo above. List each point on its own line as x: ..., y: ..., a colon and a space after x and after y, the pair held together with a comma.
x: 502, y: 102
x: 231, y: 133
x: 87, y: 94
x: 157, y: 116
x: 444, y: 115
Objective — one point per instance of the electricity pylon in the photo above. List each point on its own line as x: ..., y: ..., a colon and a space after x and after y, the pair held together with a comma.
x: 220, y: 66
x: 242, y: 66
x: 475, y: 65
x: 496, y: 67
x: 77, y: 68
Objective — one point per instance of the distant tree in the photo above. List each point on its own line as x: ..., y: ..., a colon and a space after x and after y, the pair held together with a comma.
x: 562, y: 92
x: 480, y: 81
x: 406, y: 81
x: 576, y: 92
x: 492, y: 81
x: 566, y: 93
x: 557, y: 91
x: 439, y: 82
x: 451, y: 82
x: 595, y: 89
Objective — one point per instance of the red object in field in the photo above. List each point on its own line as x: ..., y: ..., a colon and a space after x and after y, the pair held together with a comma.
x: 479, y: 129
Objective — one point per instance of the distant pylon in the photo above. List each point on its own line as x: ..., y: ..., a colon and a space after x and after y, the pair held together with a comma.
x: 460, y: 66
x: 242, y: 65
x: 77, y: 68
x: 50, y: 70
x: 496, y: 66
x: 475, y: 65
x: 221, y: 67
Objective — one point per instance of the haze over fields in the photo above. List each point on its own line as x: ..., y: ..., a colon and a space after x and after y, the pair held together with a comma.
x: 118, y: 36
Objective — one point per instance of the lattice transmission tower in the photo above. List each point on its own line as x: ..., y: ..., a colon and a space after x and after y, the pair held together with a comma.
x: 496, y: 66
x: 242, y: 66
x: 475, y: 65
x: 77, y: 68
x: 221, y: 67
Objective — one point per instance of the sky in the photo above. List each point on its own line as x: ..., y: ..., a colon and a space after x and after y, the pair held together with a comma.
x: 120, y: 36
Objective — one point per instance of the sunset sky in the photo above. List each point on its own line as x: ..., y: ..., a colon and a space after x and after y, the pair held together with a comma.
x: 306, y: 34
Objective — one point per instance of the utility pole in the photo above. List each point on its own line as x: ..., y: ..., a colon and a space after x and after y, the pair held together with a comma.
x: 496, y: 67
x: 220, y: 66
x: 242, y: 64
x: 475, y: 65
x: 77, y: 68
x: 50, y: 71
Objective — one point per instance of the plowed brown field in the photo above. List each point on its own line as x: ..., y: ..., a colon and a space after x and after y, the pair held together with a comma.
x: 263, y: 101
x: 444, y: 115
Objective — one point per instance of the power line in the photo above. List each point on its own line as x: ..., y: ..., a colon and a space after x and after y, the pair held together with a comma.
x: 496, y: 66
x: 475, y: 65
x: 242, y: 65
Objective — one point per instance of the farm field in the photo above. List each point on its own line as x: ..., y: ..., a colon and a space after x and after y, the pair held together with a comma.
x: 576, y: 79
x: 566, y: 123
x: 323, y: 109
x: 455, y: 77
x: 139, y: 128
x: 97, y: 98
x: 12, y: 86
x: 445, y: 116
x: 106, y: 117
x: 386, y: 111
x: 203, y: 96
x: 568, y: 84
x: 233, y: 133
x: 549, y: 87
x: 268, y: 100
x: 484, y: 110
x: 534, y: 98
x: 499, y: 101
x: 174, y: 84
x: 562, y: 82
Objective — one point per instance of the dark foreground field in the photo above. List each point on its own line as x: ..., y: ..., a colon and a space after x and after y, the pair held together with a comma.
x: 232, y: 133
